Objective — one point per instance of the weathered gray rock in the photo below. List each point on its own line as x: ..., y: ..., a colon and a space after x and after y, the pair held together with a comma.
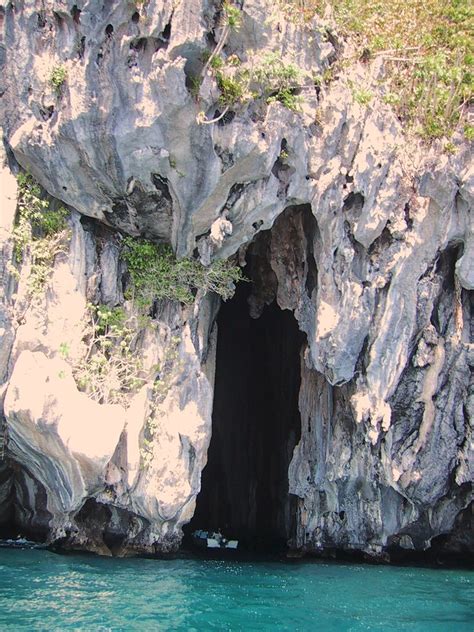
x: 371, y: 248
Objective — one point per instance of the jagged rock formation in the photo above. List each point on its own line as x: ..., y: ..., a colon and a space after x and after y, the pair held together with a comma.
x: 371, y: 247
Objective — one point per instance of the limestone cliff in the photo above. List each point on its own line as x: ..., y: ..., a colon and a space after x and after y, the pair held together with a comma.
x: 363, y: 232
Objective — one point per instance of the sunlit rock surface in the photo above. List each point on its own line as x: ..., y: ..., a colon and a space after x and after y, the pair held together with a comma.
x: 371, y: 248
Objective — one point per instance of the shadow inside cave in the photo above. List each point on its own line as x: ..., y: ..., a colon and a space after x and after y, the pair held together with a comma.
x: 255, y: 427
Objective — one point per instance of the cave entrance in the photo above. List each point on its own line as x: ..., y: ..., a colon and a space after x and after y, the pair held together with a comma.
x: 255, y: 426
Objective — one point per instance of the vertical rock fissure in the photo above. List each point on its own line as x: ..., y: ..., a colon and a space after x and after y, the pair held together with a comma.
x: 256, y: 425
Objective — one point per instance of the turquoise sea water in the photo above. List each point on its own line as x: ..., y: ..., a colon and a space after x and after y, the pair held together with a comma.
x: 40, y: 590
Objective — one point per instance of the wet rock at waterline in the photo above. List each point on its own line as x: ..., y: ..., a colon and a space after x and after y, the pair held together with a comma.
x: 360, y: 236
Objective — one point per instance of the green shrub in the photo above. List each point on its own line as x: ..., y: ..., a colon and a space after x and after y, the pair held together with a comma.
x: 469, y: 132
x: 232, y: 16
x: 156, y: 273
x: 287, y: 98
x: 57, y: 78
x: 361, y: 96
x: 272, y: 79
x: 64, y: 350
x: 450, y: 148
x: 35, y: 218
x: 111, y: 371
x: 40, y: 232
x: 274, y: 74
x: 232, y: 88
x: 216, y: 62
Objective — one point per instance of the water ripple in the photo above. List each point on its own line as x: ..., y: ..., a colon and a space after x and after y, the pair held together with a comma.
x: 43, y: 591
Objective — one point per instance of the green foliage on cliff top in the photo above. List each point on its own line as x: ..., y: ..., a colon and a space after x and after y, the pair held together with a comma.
x: 427, y: 46
x: 157, y: 274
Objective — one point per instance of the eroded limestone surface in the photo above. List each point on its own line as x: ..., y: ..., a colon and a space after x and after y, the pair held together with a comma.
x: 371, y: 246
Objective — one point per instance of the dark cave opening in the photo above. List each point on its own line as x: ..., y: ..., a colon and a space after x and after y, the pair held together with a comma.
x: 255, y: 427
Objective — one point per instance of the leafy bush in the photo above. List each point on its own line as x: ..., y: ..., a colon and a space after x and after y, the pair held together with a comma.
x: 271, y: 79
x: 362, y: 96
x: 57, y: 78
x: 232, y: 16
x: 111, y: 371
x: 287, y: 98
x: 157, y: 274
x: 232, y: 88
x: 216, y: 62
x: 278, y: 80
x: 469, y: 132
x: 40, y: 232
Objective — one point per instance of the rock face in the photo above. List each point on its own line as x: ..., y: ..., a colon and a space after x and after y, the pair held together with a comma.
x: 363, y: 233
